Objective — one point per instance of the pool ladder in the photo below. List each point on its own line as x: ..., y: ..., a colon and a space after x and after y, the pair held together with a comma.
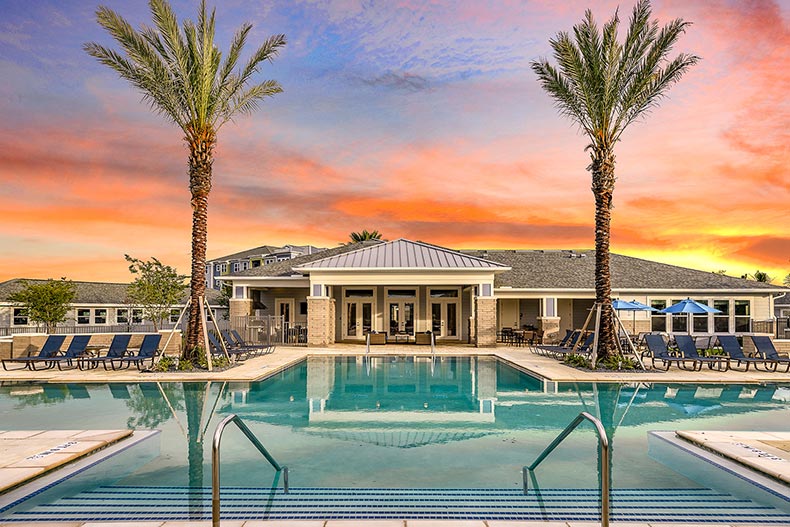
x: 235, y: 419
x: 603, y: 461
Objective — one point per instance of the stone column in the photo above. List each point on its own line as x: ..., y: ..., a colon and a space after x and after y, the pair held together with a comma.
x: 485, y: 321
x: 239, y: 307
x: 320, y: 321
x: 550, y: 327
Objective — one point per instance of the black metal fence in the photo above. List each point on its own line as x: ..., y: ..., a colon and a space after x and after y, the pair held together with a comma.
x: 270, y: 330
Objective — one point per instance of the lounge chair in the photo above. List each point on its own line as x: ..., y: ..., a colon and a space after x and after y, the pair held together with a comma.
x: 233, y: 343
x: 48, y: 350
x: 765, y: 347
x: 688, y: 348
x: 583, y: 349
x: 264, y: 348
x: 147, y: 352
x: 235, y: 354
x: 118, y: 348
x: 568, y: 341
x: 658, y: 351
x: 77, y: 348
x: 729, y: 344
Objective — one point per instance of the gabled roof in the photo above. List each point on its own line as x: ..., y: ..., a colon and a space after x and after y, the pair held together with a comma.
x: 91, y: 292
x: 265, y: 250
x: 576, y: 270
x: 402, y: 254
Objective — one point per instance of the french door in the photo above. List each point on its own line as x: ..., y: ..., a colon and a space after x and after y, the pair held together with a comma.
x: 358, y: 318
x: 444, y: 319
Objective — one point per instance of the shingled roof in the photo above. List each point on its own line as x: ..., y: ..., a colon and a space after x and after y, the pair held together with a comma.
x: 576, y: 270
x: 91, y: 292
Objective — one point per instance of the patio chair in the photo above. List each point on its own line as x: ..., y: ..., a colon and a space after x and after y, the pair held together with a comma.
x: 658, y: 351
x: 583, y: 349
x: 765, y: 347
x: 235, y: 354
x: 118, y: 348
x: 237, y: 345
x: 729, y: 344
x: 48, y: 350
x: 76, y: 349
x: 264, y: 348
x: 148, y: 350
x: 688, y: 348
x: 568, y: 340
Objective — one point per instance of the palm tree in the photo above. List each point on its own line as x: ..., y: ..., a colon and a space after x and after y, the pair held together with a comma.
x: 604, y: 86
x: 357, y: 237
x: 183, y: 77
x: 760, y: 276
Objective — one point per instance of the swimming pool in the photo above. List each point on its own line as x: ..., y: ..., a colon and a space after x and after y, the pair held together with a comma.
x: 391, y: 428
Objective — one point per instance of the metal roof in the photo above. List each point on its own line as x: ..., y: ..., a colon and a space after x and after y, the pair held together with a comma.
x: 403, y: 254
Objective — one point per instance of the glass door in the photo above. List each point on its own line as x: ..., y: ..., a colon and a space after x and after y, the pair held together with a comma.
x: 444, y: 313
x: 358, y: 318
x: 401, y: 319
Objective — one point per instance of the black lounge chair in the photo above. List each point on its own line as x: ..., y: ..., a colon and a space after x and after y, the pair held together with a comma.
x: 76, y: 349
x: 118, y: 348
x: 583, y: 349
x: 729, y: 344
x: 236, y: 345
x: 50, y: 348
x: 658, y: 351
x: 265, y: 349
x: 148, y: 349
x: 567, y: 342
x: 766, y: 348
x: 233, y: 353
x: 688, y: 348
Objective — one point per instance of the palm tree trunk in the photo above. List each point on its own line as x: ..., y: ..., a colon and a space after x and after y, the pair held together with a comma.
x: 201, y: 157
x: 602, y: 169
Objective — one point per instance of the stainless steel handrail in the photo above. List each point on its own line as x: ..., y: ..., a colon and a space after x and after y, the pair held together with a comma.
x: 215, y: 462
x: 603, y: 461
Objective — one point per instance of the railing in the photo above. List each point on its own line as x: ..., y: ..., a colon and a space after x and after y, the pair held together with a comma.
x: 270, y: 330
x: 603, y: 463
x: 215, y: 462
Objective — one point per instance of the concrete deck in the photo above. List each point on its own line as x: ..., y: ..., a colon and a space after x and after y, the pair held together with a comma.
x: 27, y: 454
x: 765, y: 452
x: 259, y: 368
x: 361, y: 523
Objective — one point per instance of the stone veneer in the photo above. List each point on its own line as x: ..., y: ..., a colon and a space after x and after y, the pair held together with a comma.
x: 485, y: 321
x: 239, y: 307
x: 550, y: 327
x: 320, y: 321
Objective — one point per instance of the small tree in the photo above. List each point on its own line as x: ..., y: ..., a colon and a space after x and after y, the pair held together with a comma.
x: 46, y: 302
x: 786, y: 281
x: 357, y: 237
x: 157, y: 288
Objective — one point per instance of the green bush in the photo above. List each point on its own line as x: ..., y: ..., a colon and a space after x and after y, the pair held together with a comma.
x: 577, y: 361
x: 618, y: 362
x: 166, y: 363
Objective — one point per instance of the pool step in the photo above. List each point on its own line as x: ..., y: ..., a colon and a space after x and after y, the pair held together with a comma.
x: 242, y: 503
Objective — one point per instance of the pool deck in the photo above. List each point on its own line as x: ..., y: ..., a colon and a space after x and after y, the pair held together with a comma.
x: 259, y: 368
x: 547, y: 368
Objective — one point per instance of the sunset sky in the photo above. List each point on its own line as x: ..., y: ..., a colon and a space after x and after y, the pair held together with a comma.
x: 421, y: 119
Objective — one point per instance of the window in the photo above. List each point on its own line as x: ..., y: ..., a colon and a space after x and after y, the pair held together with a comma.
x: 217, y: 268
x: 235, y: 267
x: 658, y: 321
x: 721, y: 321
x: 256, y: 263
x: 444, y: 293
x: 122, y: 316
x: 402, y: 293
x: 742, y: 316
x: 700, y: 321
x: 245, y: 266
x: 137, y: 316
x: 359, y: 293
x: 224, y: 268
x: 100, y: 316
x: 83, y: 316
x: 302, y: 308
x: 679, y: 320
x: 174, y: 315
x: 20, y: 316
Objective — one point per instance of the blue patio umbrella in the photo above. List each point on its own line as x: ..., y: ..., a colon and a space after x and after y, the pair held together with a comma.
x: 633, y: 306
x: 690, y: 307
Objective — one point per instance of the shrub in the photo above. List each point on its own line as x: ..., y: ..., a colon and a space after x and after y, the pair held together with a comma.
x: 618, y: 362
x: 577, y: 361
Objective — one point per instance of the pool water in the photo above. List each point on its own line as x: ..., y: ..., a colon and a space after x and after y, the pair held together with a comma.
x: 398, y: 423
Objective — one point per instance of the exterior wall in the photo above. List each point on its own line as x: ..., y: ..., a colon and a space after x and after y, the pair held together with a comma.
x: 485, y: 321
x: 551, y: 328
x: 529, y: 311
